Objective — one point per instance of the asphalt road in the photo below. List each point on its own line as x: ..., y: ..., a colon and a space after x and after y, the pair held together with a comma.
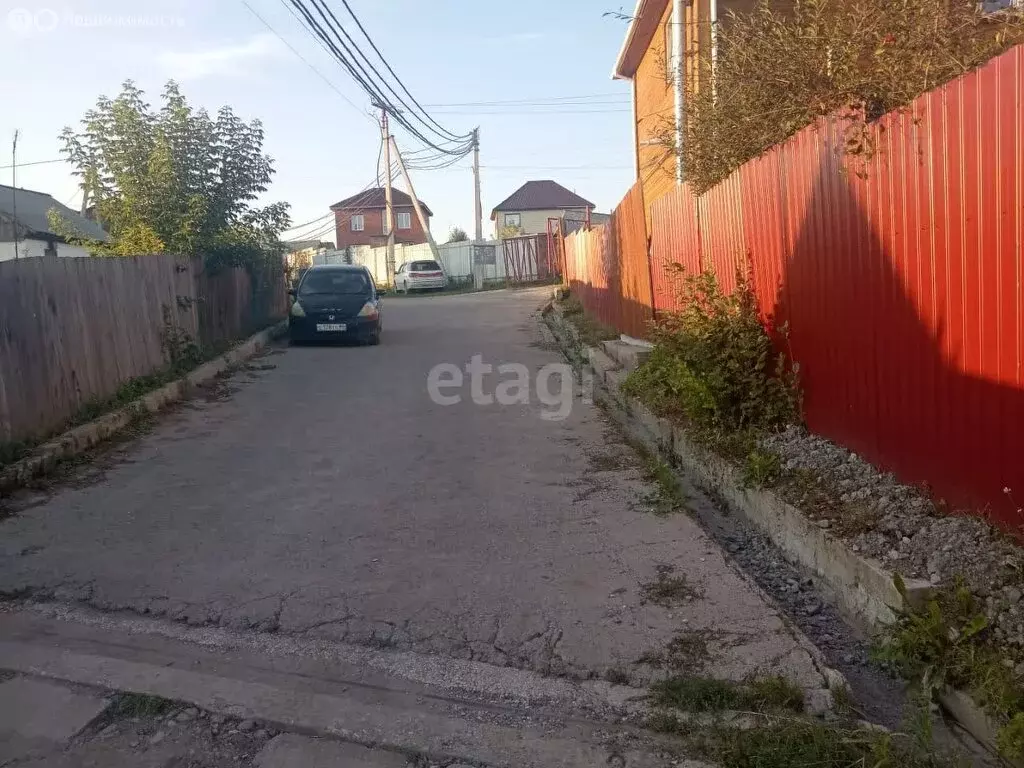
x: 323, y: 493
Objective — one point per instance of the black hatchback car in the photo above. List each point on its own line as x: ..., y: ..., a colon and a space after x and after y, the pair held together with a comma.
x: 335, y: 303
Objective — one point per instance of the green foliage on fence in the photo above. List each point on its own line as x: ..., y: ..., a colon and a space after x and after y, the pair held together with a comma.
x: 715, y: 367
x: 777, y: 70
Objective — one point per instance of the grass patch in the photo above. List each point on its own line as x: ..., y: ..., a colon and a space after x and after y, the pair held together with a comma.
x: 669, y: 589
x: 699, y: 694
x: 789, y: 741
x: 695, y: 694
x: 608, y: 462
x: 799, y: 742
x: 949, y: 642
x: 842, y: 701
x: 15, y: 450
x: 687, y: 651
x: 761, y: 469
x: 617, y: 676
x: 592, y: 331
x: 139, y: 705
x: 668, y: 497
x: 127, y: 393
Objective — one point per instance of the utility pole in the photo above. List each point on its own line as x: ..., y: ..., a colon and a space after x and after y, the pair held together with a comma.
x: 478, y: 209
x: 14, y: 190
x: 417, y: 207
x: 389, y: 215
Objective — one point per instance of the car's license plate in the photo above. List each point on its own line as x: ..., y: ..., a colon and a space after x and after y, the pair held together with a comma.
x: 330, y: 326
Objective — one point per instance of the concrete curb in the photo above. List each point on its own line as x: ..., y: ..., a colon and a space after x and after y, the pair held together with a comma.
x: 862, y: 587
x: 423, y: 724
x: 80, y: 439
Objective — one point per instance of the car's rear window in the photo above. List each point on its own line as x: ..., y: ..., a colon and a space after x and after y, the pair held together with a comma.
x: 425, y: 266
x: 334, y: 281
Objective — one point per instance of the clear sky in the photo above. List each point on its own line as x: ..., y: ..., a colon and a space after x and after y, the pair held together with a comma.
x: 56, y: 58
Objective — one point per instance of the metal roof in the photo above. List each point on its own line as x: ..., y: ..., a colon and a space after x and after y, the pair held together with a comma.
x: 32, y: 208
x: 376, y: 198
x: 541, y: 195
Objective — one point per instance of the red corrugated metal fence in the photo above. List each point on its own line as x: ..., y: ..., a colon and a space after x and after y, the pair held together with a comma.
x: 608, y: 269
x: 900, y: 277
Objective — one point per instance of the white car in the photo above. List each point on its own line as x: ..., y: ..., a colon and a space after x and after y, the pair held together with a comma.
x: 420, y: 275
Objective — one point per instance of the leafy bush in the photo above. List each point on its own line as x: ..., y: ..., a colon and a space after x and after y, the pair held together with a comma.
x: 762, y: 468
x: 777, y: 71
x: 457, y: 235
x: 947, y: 642
x: 714, y: 365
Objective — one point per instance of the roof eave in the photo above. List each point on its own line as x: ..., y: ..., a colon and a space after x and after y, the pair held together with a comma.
x: 626, y: 64
x: 515, y: 209
x: 619, y: 73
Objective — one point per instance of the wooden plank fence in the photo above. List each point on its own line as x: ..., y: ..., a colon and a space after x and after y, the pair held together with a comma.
x: 75, y: 330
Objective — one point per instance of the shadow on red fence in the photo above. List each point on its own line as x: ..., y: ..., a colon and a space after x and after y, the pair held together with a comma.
x: 878, y: 376
x: 898, y: 274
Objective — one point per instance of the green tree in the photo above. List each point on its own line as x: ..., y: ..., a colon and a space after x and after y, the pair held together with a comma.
x: 457, y: 235
x: 174, y: 180
x: 776, y: 71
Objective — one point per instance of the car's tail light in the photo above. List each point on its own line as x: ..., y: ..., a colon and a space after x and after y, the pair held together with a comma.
x: 369, y: 310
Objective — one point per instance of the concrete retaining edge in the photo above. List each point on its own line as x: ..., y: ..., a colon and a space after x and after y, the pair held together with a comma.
x: 861, y: 587
x: 83, y: 437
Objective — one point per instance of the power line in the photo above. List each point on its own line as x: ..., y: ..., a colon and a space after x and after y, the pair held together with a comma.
x: 562, y: 167
x: 539, y: 102
x: 395, y: 75
x: 346, y: 56
x: 564, y: 97
x: 312, y: 221
x: 36, y: 162
x: 539, y: 112
x: 305, y: 61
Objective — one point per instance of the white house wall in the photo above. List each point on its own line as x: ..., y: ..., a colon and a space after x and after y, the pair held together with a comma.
x: 532, y: 222
x: 37, y: 248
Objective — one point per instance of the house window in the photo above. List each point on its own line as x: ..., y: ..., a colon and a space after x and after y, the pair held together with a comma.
x: 358, y: 222
x: 672, y: 55
x: 404, y: 220
x: 513, y: 220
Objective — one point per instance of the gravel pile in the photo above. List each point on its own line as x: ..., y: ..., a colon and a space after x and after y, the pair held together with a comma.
x: 903, y: 529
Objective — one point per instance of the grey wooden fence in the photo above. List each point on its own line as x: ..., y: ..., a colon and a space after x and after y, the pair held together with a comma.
x: 74, y: 330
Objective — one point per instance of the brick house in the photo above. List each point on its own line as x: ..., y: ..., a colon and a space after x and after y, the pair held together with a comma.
x: 361, y: 219
x: 660, y: 56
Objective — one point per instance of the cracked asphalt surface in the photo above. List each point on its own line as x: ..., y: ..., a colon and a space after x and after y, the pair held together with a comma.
x: 328, y: 496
